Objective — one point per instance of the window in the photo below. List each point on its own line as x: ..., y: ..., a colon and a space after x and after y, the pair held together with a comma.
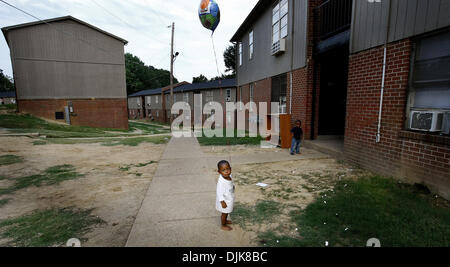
x: 240, y: 94
x: 240, y: 98
x: 430, y: 79
x: 240, y: 54
x: 280, y: 21
x: 209, y: 96
x: 252, y: 91
x: 279, y: 86
x: 250, y: 44
x: 157, y: 99
x: 186, y: 97
x: 228, y: 99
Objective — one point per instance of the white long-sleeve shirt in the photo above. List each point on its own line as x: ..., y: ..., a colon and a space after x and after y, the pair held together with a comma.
x: 225, y: 192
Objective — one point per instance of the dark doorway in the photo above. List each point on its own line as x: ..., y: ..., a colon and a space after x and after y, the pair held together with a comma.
x: 333, y: 91
x: 144, y: 107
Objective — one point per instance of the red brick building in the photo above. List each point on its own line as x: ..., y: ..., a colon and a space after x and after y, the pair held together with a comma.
x: 325, y: 63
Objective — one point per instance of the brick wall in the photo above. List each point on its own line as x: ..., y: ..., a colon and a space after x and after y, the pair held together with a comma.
x: 135, y: 114
x: 303, y: 83
x: 102, y: 113
x: 413, y: 157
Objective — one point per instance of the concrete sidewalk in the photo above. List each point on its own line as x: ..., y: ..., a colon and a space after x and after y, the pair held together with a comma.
x: 179, y: 207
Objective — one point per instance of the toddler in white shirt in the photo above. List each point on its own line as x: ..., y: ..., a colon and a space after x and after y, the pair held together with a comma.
x: 225, y: 193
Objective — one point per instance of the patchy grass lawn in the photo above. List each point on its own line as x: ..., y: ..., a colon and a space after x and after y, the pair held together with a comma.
x: 115, y: 195
x: 147, y: 128
x: 8, y: 107
x: 264, y: 210
x: 10, y: 159
x: 229, y: 141
x: 46, y: 228
x: 3, y: 202
x: 130, y: 141
x: 28, y: 123
x: 310, y: 202
x: 140, y: 165
x: 371, y: 207
x: 51, y: 176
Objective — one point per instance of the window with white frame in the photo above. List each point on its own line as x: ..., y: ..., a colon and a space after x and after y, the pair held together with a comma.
x: 250, y: 45
x: 157, y: 99
x: 186, y: 97
x: 240, y: 54
x: 430, y: 79
x: 280, y: 21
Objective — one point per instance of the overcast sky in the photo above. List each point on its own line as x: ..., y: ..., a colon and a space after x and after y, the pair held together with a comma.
x: 143, y: 23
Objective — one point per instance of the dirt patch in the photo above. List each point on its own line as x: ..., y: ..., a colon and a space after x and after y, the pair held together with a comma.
x: 114, y: 195
x: 292, y: 184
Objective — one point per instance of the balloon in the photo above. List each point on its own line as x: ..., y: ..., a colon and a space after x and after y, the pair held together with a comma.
x: 209, y: 14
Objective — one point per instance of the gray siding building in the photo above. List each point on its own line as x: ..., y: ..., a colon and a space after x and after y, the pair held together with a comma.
x: 156, y: 100
x: 66, y: 62
x: 262, y: 64
x: 363, y: 73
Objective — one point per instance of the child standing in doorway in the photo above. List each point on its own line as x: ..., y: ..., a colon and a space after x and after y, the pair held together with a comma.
x: 298, y: 137
x: 225, y: 193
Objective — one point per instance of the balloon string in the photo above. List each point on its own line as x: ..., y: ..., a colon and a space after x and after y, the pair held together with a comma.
x: 215, y: 55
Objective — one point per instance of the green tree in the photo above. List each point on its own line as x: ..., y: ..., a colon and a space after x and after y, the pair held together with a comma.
x: 224, y: 77
x: 199, y: 79
x: 230, y: 59
x: 6, y: 82
x: 141, y: 77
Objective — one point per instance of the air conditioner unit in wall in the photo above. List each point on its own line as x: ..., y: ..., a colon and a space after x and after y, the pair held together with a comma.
x: 427, y: 121
x: 279, y: 47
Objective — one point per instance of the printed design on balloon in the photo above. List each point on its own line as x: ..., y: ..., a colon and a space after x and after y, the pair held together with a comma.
x: 209, y: 14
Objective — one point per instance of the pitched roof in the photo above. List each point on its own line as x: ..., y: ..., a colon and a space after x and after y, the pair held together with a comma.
x: 8, y: 94
x: 257, y: 11
x: 147, y: 92
x: 49, y: 21
x: 205, y: 86
x: 157, y: 91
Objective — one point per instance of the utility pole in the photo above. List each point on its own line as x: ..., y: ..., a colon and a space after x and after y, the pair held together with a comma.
x: 171, y: 74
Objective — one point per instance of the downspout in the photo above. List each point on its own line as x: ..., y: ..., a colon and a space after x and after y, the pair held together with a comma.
x: 292, y: 57
x: 314, y: 58
x: 383, y: 79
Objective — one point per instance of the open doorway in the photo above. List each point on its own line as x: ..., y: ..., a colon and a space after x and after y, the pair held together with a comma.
x: 333, y: 91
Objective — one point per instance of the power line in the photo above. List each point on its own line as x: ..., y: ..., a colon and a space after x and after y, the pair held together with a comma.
x: 125, y: 22
x: 56, y: 29
x: 61, y: 31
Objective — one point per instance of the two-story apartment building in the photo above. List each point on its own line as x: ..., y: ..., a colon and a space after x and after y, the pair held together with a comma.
x: 66, y: 69
x: 149, y: 103
x: 153, y: 104
x: 220, y: 91
x: 374, y: 73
